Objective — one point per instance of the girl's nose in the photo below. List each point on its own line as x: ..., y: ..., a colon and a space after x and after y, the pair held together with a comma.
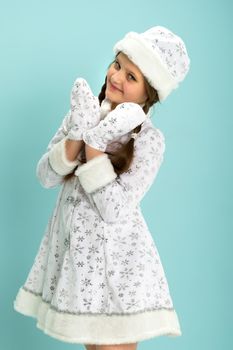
x: 117, y: 78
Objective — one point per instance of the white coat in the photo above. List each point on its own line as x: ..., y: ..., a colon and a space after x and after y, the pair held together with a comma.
x: 97, y: 277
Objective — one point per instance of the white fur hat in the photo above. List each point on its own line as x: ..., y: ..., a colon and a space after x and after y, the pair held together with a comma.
x: 161, y: 56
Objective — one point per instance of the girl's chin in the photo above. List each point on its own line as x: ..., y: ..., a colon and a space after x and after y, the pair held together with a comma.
x: 113, y: 101
x: 111, y: 96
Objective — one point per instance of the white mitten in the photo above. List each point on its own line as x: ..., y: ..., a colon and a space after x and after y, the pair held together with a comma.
x: 85, y: 109
x: 124, y: 118
x: 84, y: 114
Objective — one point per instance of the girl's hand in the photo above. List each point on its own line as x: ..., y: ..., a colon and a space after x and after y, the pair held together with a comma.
x: 85, y: 109
x: 124, y: 118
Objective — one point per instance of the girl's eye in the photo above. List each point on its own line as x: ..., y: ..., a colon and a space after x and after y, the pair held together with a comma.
x: 131, y: 76
x: 116, y: 64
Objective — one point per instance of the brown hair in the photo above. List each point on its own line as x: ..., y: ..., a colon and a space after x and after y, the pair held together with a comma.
x: 122, y: 158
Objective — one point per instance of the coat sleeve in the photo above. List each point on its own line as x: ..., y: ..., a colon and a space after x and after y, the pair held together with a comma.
x: 53, y: 164
x: 114, y: 196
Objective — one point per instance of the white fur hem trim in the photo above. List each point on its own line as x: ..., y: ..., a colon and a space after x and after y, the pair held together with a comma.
x: 96, y: 173
x: 59, y: 161
x: 149, y: 62
x: 94, y: 328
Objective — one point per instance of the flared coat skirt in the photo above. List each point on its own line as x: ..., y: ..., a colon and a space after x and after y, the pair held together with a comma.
x: 97, y: 283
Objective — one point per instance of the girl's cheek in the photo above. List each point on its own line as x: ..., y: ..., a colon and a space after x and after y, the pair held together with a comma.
x: 125, y: 90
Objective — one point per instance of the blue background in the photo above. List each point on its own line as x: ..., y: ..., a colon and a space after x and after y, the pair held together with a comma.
x: 45, y: 45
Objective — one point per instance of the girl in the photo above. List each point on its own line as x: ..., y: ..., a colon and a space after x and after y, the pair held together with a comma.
x: 97, y: 278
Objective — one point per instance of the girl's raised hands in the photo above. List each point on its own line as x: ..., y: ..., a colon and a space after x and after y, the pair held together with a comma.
x: 124, y: 118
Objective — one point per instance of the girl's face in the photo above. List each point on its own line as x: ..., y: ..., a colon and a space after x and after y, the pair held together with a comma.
x: 125, y: 82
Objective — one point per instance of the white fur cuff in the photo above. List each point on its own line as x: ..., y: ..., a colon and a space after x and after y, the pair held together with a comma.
x: 58, y: 159
x: 96, y: 173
